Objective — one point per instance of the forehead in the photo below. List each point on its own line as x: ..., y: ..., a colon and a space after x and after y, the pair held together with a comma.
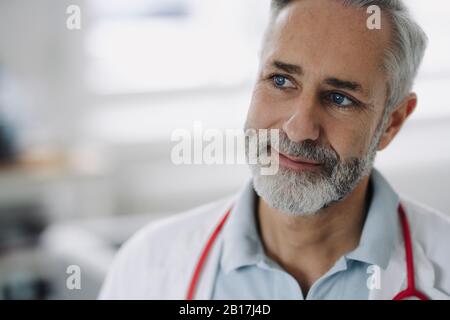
x: 329, y: 39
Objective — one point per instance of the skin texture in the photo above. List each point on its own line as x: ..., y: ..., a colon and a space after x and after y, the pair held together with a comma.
x: 327, y: 41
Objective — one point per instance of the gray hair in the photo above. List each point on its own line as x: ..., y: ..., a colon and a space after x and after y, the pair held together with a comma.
x: 403, y: 57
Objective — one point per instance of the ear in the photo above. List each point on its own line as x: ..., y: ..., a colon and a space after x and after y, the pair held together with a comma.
x: 397, y: 118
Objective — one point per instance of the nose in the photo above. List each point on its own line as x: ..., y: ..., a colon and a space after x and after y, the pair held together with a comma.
x: 303, y: 123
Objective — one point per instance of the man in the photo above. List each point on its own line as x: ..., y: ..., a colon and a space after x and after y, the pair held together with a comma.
x: 326, y: 225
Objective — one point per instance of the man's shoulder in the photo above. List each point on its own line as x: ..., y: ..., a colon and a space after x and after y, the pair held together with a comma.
x: 157, y: 249
x: 430, y: 225
x: 425, y: 215
x: 177, y: 230
x: 430, y: 228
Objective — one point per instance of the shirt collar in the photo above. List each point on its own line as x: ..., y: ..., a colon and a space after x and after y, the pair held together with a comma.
x: 243, y: 246
x: 378, y: 234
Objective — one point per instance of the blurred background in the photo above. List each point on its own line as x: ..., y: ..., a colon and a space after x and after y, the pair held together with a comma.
x: 86, y: 117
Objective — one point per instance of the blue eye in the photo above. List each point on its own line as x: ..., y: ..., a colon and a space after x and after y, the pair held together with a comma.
x: 340, y: 99
x: 281, y: 82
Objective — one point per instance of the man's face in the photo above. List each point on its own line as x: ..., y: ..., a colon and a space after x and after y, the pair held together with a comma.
x: 321, y: 83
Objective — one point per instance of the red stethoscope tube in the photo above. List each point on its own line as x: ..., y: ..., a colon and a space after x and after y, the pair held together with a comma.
x: 409, y: 292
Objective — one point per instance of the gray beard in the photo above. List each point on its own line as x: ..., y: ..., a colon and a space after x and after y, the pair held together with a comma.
x: 307, y: 192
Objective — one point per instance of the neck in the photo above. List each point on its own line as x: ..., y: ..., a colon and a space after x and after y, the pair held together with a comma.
x: 308, y: 246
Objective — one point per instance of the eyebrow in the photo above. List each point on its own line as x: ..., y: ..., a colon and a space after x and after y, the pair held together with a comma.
x: 343, y: 84
x: 287, y: 67
x: 332, y: 81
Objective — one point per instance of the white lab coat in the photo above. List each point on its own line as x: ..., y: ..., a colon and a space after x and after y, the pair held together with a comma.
x: 158, y: 262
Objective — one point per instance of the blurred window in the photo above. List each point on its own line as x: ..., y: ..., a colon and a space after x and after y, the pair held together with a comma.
x: 170, y: 45
x: 434, y: 76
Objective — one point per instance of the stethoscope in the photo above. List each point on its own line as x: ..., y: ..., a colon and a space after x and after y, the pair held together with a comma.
x: 409, y: 292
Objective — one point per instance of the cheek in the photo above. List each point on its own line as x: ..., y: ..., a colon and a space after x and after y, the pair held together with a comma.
x: 261, y: 111
x: 350, y: 140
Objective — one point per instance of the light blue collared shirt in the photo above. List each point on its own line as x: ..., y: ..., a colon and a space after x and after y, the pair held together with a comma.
x: 246, y: 272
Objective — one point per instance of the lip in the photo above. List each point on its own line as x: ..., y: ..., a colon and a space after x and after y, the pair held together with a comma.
x: 296, y: 163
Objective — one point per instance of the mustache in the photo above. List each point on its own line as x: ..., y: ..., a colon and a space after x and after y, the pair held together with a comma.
x: 307, y: 149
